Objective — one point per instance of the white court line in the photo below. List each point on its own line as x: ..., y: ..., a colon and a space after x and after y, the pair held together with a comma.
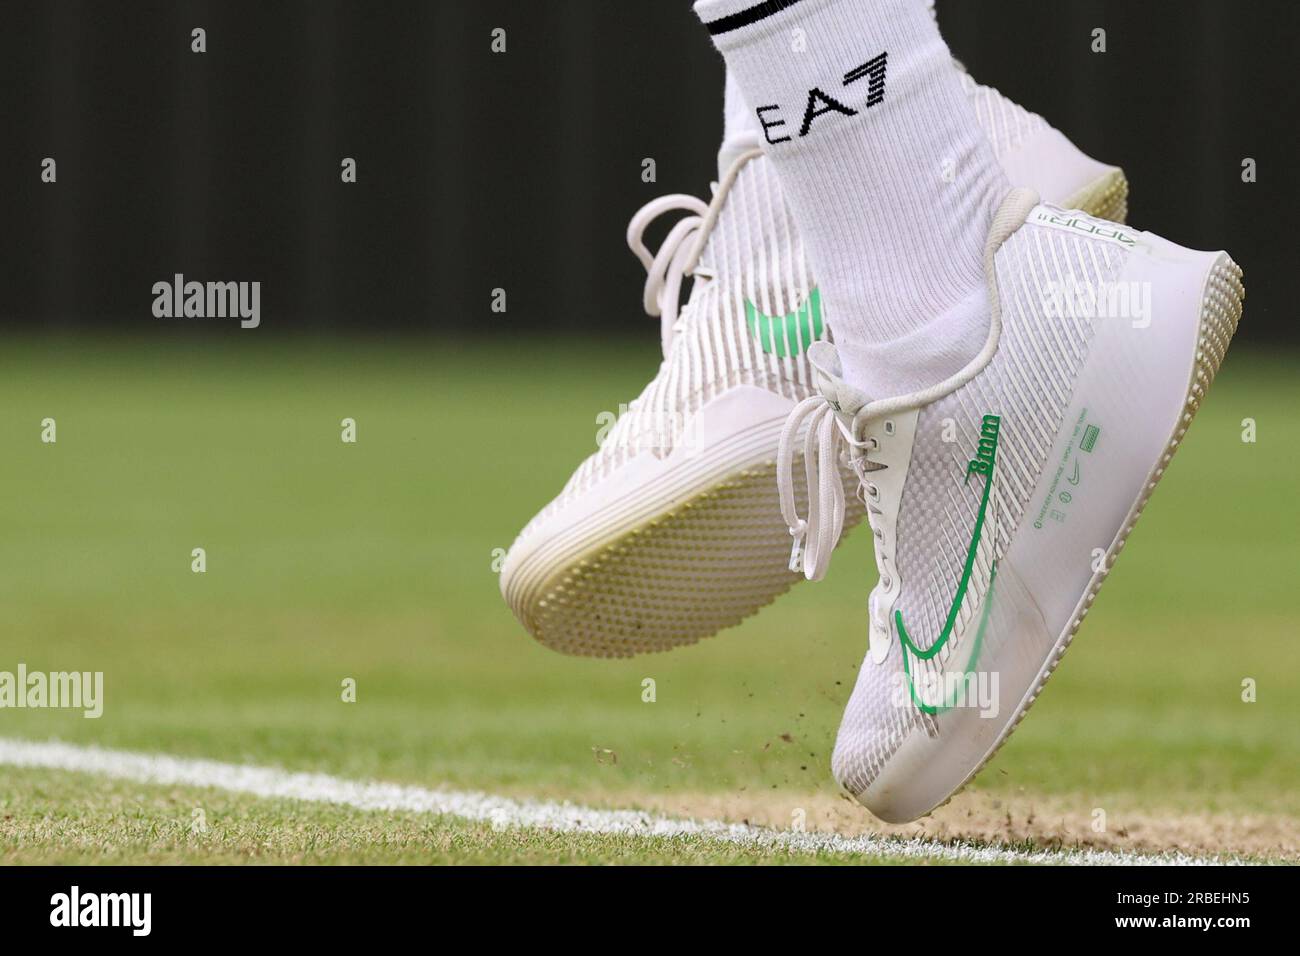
x: 270, y: 782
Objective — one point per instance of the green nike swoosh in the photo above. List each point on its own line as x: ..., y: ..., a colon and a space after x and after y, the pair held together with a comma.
x: 972, y: 663
x: 783, y: 335
x: 983, y: 464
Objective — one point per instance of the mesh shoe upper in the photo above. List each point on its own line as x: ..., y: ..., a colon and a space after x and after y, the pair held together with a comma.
x: 752, y: 272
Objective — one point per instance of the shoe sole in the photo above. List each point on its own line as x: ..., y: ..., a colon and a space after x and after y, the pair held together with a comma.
x: 1104, y: 198
x: 655, y: 588
x: 703, y: 564
x: 1221, y: 306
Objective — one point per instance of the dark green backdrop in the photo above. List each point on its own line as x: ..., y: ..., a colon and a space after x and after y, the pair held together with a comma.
x: 479, y: 171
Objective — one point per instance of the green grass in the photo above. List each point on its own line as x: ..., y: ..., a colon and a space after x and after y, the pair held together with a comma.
x: 374, y: 561
x: 70, y: 819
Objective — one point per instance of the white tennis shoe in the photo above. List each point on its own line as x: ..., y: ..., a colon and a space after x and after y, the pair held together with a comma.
x: 1000, y: 498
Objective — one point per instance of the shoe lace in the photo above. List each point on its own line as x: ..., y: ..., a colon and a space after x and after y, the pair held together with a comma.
x: 667, y: 268
x: 827, y: 442
x: 679, y: 253
x: 829, y: 438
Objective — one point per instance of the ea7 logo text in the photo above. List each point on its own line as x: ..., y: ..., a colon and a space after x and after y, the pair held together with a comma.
x: 819, y: 103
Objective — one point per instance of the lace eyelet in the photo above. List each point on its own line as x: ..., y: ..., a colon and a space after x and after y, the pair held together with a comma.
x: 873, y: 491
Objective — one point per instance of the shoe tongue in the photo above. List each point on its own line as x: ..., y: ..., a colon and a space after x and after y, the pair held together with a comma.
x: 844, y: 398
x: 732, y: 150
x: 741, y: 130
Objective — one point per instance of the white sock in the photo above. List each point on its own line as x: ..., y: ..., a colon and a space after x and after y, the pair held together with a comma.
x: 891, y: 179
x: 740, y: 131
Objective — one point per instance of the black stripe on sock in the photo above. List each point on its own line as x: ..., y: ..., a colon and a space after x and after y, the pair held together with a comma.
x: 744, y: 18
